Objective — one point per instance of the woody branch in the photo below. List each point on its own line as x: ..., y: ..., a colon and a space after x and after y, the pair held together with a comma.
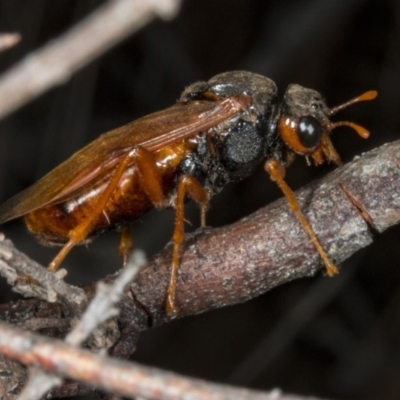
x: 222, y: 266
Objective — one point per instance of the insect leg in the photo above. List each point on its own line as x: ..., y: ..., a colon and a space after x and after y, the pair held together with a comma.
x: 81, y: 231
x: 277, y: 172
x: 150, y: 177
x: 126, y: 244
x: 150, y: 180
x: 188, y: 185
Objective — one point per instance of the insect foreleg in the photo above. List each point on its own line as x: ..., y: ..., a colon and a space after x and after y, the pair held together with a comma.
x: 277, y: 172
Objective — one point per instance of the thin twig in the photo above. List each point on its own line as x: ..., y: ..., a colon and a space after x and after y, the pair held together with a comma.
x: 39, y: 383
x: 34, y: 324
x: 8, y: 40
x: 14, y: 264
x: 56, y: 62
x: 101, y: 309
x: 114, y: 376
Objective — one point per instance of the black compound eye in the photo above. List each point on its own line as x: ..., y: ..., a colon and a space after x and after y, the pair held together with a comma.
x: 310, y: 131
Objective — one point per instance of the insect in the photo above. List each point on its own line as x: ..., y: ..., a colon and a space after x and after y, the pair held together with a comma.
x: 218, y: 131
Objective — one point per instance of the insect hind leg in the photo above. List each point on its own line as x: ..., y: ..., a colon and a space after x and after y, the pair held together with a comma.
x: 188, y: 185
x: 125, y: 244
x: 80, y: 233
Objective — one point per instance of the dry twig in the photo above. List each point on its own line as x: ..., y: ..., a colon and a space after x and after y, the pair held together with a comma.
x: 119, y: 377
x: 55, y: 63
x: 8, y: 40
x: 101, y: 309
x: 222, y: 266
x: 14, y: 264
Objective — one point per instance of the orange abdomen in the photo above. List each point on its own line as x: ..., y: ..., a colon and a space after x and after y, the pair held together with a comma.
x: 52, y: 224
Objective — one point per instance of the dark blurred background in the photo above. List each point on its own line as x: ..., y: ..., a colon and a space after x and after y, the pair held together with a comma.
x: 336, y: 338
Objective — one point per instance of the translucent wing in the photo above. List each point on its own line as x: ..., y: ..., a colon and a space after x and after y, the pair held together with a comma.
x: 100, y: 156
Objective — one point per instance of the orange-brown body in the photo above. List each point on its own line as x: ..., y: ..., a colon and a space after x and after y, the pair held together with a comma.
x: 218, y: 132
x: 52, y: 224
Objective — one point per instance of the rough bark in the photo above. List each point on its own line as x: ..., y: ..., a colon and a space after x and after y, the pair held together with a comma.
x: 240, y: 261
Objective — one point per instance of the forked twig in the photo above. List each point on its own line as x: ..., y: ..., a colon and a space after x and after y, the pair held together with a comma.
x: 101, y: 309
